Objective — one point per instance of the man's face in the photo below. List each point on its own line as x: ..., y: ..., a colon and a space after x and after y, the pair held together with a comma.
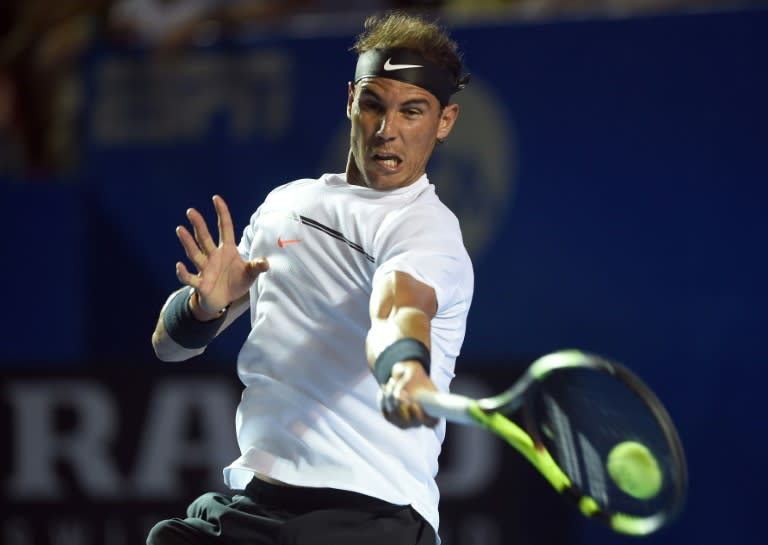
x: 395, y: 127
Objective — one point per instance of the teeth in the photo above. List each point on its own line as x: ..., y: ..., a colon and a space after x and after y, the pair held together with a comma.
x: 390, y: 163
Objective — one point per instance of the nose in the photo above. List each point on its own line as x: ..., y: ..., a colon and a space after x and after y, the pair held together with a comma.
x: 387, y: 126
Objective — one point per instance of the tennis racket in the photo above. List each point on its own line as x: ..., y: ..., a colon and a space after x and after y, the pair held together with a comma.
x: 594, y: 430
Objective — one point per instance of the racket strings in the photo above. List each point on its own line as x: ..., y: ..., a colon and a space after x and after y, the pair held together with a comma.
x: 579, y: 415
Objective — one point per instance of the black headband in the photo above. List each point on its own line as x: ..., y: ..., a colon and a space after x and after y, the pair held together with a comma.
x: 408, y: 66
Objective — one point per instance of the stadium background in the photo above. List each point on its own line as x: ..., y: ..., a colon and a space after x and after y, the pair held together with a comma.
x: 610, y: 173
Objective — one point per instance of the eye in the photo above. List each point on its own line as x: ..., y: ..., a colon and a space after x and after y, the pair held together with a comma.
x: 370, y: 105
x: 412, y: 112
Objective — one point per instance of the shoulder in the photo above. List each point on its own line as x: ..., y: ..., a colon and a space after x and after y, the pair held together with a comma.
x: 293, y: 185
x: 426, y: 211
x: 306, y: 186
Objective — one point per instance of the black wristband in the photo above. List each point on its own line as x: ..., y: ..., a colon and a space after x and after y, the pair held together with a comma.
x: 182, y: 326
x: 403, y: 349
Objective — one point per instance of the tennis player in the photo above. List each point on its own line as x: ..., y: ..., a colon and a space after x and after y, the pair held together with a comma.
x: 363, y: 265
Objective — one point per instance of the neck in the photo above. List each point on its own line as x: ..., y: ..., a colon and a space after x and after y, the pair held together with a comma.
x: 354, y: 177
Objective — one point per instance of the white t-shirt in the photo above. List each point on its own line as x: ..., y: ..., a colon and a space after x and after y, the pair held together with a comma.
x: 309, y: 414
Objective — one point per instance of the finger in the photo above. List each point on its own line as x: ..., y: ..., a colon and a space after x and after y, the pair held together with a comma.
x: 257, y: 266
x: 400, y: 396
x: 202, y: 235
x: 395, y: 410
x: 226, y: 229
x: 402, y: 417
x: 418, y: 413
x: 404, y: 412
x: 185, y: 277
x: 383, y: 403
x: 386, y: 402
x: 190, y: 247
x: 404, y: 405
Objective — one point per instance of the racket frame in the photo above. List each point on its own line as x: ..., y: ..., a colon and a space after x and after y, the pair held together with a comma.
x: 493, y: 413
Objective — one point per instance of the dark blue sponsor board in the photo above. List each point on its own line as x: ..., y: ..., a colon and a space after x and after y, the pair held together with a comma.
x: 610, y: 176
x: 90, y: 461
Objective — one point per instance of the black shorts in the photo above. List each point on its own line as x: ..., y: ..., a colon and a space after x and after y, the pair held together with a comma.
x: 266, y: 514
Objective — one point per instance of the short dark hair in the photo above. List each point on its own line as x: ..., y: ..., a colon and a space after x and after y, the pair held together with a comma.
x: 397, y: 29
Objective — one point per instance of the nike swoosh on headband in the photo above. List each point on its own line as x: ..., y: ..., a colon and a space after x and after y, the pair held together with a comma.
x: 398, y: 63
x: 388, y: 66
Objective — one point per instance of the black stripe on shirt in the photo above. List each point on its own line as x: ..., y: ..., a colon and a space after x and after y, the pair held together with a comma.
x: 335, y: 234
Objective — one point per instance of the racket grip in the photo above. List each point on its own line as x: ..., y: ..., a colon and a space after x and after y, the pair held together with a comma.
x: 452, y: 407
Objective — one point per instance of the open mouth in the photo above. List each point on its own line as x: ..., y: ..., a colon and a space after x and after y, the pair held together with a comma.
x: 389, y: 161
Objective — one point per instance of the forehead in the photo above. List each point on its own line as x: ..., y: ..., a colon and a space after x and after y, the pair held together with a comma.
x: 391, y: 90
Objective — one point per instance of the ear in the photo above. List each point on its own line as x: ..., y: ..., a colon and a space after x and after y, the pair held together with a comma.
x: 448, y: 117
x: 350, y: 98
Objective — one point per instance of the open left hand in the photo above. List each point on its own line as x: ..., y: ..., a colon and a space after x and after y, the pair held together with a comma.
x: 222, y: 275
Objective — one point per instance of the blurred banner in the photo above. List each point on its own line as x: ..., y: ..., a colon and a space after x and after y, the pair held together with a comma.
x: 98, y: 456
x: 611, y: 179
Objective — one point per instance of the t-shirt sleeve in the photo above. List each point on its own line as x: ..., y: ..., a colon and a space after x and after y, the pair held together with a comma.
x: 246, y: 240
x: 427, y: 244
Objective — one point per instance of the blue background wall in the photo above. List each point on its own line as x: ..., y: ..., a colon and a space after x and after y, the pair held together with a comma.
x: 611, y: 176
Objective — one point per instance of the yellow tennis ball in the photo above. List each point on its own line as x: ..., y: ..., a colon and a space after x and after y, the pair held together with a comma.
x: 635, y: 470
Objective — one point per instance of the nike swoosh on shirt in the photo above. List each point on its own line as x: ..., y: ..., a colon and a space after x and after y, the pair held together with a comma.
x: 283, y: 243
x: 389, y: 67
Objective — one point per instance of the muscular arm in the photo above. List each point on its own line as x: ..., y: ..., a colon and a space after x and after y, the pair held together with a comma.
x: 402, y: 306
